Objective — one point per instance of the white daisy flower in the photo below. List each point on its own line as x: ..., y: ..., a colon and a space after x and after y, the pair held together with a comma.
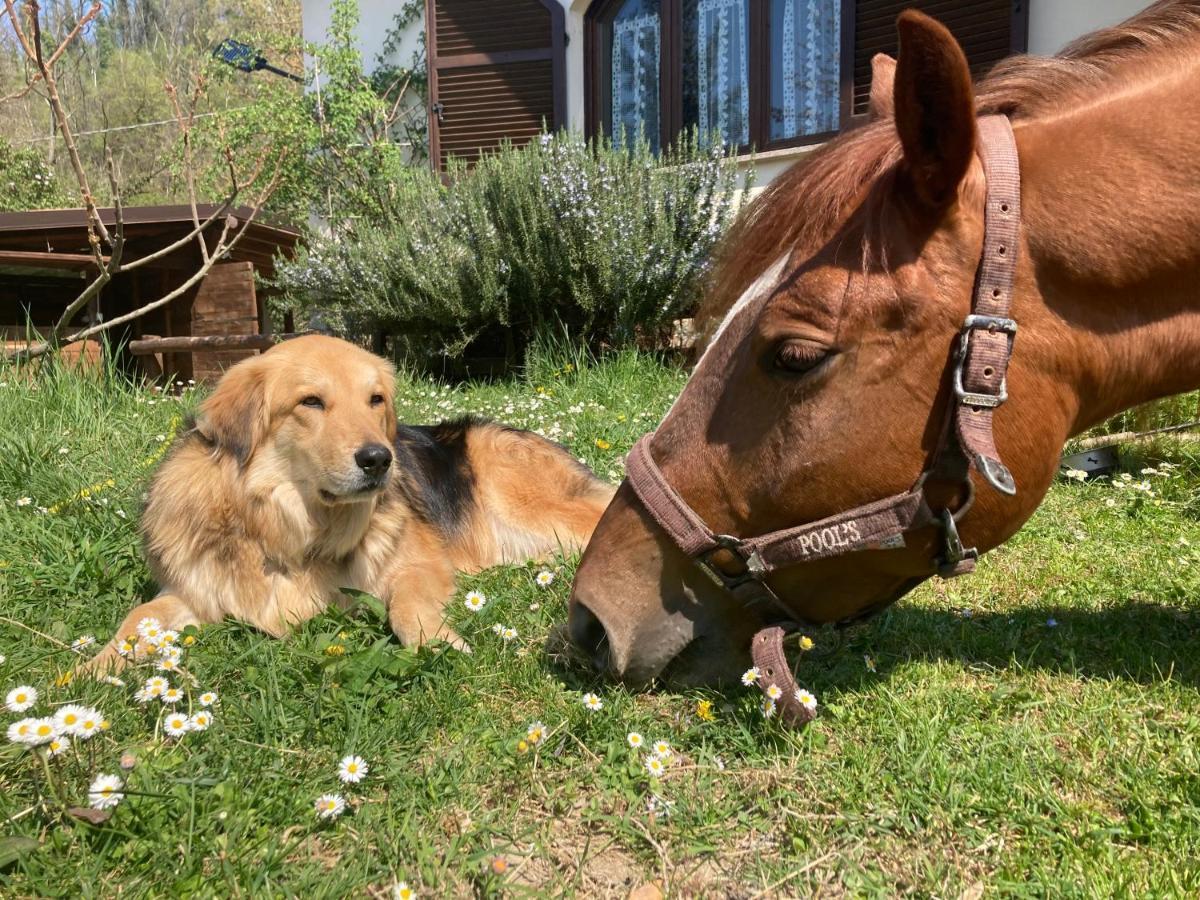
x: 171, y: 696
x: 41, y: 731
x: 113, y: 680
x: 774, y: 692
x: 21, y: 698
x: 661, y: 749
x: 508, y: 634
x: 401, y: 891
x: 474, y: 601
x: 143, y: 695
x: 58, y: 745
x: 68, y: 717
x: 655, y: 766
x: 750, y: 676
x: 176, y: 724
x: 105, y: 792
x: 169, y: 636
x: 155, y: 685
x: 21, y: 731
x: 536, y: 732
x: 3, y: 659
x: 82, y: 642
x: 24, y: 501
x: 168, y: 663
x: 806, y: 699
x: 545, y: 578
x: 634, y: 739
x: 497, y: 629
x: 352, y: 769
x: 208, y: 698
x: 126, y: 647
x: 200, y: 721
x: 768, y: 708
x: 91, y: 723
x: 592, y: 702
x: 330, y: 806
x: 150, y: 629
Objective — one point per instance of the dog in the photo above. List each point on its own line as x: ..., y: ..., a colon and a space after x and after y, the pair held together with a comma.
x: 295, y: 481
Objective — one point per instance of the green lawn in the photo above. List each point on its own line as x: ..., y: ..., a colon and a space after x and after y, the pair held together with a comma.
x: 1031, y: 731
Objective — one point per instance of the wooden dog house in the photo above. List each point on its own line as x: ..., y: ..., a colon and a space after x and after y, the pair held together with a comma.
x: 45, y: 263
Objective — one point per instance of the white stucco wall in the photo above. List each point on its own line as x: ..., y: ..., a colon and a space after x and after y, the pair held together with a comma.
x: 375, y: 20
x: 1055, y: 23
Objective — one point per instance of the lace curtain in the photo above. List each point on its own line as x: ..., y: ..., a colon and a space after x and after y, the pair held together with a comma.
x: 723, y: 69
x: 805, y: 99
x: 635, y: 65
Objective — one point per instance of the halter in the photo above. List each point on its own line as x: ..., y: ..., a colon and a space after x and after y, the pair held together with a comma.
x: 741, y: 566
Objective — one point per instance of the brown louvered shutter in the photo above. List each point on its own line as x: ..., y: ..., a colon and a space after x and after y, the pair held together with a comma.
x: 496, y: 73
x: 988, y: 31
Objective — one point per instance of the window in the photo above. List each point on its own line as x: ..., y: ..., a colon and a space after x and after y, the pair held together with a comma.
x: 760, y: 74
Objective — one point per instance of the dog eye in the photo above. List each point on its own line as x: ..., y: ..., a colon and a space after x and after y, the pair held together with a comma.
x: 797, y: 357
x: 377, y: 400
x: 312, y: 401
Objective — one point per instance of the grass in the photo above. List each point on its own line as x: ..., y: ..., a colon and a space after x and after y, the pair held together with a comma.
x: 988, y: 751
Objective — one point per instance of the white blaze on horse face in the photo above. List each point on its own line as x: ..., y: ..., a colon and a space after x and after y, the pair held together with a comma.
x: 762, y: 288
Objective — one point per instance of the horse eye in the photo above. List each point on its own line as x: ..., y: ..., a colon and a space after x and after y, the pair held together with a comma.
x: 312, y: 401
x: 377, y: 399
x: 798, y: 357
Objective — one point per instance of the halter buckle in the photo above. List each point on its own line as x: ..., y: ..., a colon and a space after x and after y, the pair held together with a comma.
x: 955, y: 559
x: 755, y: 568
x: 970, y: 324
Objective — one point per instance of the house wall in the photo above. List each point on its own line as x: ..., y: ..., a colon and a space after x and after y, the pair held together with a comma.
x: 1052, y: 24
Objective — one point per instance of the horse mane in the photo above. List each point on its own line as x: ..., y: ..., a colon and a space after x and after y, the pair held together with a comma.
x: 802, y: 207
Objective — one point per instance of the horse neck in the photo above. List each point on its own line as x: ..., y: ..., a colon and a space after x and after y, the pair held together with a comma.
x: 1111, y: 195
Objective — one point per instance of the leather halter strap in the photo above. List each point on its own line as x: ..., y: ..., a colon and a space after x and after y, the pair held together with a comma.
x: 980, y: 363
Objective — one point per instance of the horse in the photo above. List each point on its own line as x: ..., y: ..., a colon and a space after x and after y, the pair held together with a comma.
x: 847, y: 307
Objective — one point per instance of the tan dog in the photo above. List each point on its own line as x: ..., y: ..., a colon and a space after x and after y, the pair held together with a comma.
x: 296, y: 481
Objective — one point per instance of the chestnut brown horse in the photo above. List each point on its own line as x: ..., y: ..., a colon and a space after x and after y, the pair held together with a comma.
x: 840, y: 299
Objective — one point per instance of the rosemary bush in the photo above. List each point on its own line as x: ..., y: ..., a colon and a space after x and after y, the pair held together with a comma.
x: 599, y: 243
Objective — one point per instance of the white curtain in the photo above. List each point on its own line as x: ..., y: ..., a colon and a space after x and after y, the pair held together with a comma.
x: 635, y: 64
x: 811, y: 31
x: 723, y: 91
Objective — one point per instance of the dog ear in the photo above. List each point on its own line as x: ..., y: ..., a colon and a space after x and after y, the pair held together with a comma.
x: 235, y: 418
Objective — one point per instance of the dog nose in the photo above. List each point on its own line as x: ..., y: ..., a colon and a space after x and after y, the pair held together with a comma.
x: 588, y: 634
x: 373, y: 459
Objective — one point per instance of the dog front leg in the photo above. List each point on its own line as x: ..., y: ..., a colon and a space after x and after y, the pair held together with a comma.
x: 171, y: 611
x: 416, y: 602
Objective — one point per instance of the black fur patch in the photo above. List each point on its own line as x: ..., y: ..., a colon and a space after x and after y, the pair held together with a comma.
x: 435, y: 474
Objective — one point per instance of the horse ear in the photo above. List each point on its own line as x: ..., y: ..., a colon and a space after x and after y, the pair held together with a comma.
x: 235, y: 418
x: 934, y: 108
x: 883, y: 81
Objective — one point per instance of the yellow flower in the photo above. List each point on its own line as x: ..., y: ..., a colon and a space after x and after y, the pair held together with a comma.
x: 335, y: 650
x: 188, y: 640
x: 603, y: 444
x: 522, y: 746
x: 806, y: 643
x: 704, y: 711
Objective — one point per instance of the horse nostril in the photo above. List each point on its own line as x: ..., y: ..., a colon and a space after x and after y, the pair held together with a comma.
x: 373, y: 459
x: 588, y: 634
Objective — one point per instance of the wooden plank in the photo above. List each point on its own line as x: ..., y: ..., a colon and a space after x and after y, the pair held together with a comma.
x: 47, y: 260
x: 149, y: 345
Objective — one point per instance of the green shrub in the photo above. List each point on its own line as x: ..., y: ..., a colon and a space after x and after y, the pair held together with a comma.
x: 604, y: 244
x: 26, y: 181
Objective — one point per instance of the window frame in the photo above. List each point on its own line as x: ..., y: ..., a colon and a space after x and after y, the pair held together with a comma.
x: 601, y: 12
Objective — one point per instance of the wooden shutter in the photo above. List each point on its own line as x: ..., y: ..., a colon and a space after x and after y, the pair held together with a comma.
x: 496, y: 73
x: 988, y: 31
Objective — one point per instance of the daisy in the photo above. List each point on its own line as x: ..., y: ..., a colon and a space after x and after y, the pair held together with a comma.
x: 126, y: 647
x: 41, y: 731
x: 113, y: 680
x: 200, y: 721
x: 774, y: 692
x: 592, y: 702
x: 68, y: 717
x: 105, y: 792
x: 21, y: 731
x: 806, y: 699
x: 169, y: 636
x: 768, y: 708
x: 352, y: 769
x: 474, y: 601
x: 176, y: 724
x: 58, y: 745
x: 536, y: 732
x: 661, y: 749
x: 21, y: 698
x: 508, y: 634
x: 330, y: 806
x: 634, y: 739
x: 655, y: 766
x: 150, y: 629
x: 402, y: 891
x: 497, y: 629
x: 82, y: 642
x: 155, y: 685
x: 208, y: 698
x: 545, y: 578
x: 806, y: 643
x: 24, y: 501
x: 90, y: 722
x: 171, y: 695
x: 143, y: 695
x: 750, y: 676
x: 869, y: 662
x: 2, y: 659
x: 168, y: 664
